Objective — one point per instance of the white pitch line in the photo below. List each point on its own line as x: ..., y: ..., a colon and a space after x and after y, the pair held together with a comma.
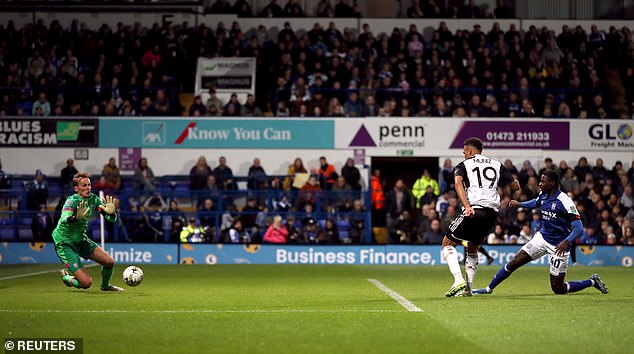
x: 396, y: 296
x: 38, y: 273
x: 198, y: 311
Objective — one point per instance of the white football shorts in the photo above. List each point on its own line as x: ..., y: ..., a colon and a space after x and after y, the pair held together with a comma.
x: 538, y: 247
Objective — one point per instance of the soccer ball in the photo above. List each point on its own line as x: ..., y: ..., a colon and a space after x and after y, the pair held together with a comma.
x: 133, y: 275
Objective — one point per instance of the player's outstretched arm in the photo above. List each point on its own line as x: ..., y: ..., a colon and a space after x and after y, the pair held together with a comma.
x: 107, y: 208
x: 527, y: 204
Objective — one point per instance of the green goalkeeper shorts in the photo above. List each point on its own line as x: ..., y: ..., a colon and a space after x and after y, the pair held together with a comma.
x: 70, y: 254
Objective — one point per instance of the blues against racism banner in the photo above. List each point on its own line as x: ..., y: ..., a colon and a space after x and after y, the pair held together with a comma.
x: 32, y: 132
x: 238, y: 133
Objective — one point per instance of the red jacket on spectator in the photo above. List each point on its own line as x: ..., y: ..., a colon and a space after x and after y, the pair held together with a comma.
x: 327, y: 173
x: 378, y: 196
x: 276, y: 234
x: 149, y: 57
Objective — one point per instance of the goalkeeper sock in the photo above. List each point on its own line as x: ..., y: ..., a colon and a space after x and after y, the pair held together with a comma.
x: 451, y: 256
x: 71, y: 280
x: 106, y: 274
x: 499, y: 277
x: 574, y: 286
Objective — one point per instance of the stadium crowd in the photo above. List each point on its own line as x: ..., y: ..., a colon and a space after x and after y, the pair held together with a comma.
x: 58, y: 69
x: 325, y: 206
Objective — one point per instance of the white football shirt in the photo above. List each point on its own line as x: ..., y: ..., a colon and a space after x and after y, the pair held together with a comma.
x: 480, y: 178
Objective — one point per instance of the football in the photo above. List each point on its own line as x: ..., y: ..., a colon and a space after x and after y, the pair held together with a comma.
x: 133, y: 275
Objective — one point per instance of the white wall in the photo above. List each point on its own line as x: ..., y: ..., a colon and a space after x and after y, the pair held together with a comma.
x: 164, y: 161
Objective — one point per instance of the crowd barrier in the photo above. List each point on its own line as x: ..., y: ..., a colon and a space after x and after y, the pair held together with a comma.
x: 216, y: 254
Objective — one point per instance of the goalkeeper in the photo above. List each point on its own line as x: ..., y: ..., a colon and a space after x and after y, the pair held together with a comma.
x: 72, y: 242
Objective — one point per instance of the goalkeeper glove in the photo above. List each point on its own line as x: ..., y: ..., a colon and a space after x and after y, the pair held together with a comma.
x: 82, y: 210
x: 108, y: 207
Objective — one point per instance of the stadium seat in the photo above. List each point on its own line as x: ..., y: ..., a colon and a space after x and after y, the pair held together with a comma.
x: 7, y: 234
x: 25, y: 234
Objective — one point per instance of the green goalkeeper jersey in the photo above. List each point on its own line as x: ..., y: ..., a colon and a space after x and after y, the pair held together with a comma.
x: 74, y: 232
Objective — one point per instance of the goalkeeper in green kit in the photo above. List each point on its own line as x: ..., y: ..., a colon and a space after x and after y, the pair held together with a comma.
x: 72, y: 242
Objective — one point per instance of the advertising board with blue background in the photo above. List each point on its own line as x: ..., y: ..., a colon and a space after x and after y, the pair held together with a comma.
x: 123, y: 253
x: 376, y: 255
x: 217, y: 133
x: 126, y: 253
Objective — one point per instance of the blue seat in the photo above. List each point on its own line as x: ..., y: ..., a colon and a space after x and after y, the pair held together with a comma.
x: 25, y: 234
x: 7, y: 234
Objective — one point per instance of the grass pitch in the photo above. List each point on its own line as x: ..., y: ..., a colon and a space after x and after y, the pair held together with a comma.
x: 319, y: 309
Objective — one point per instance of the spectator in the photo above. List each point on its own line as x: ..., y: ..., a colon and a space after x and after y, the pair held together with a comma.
x: 192, y: 233
x: 292, y: 9
x: 402, y: 230
x: 209, y: 217
x: 310, y: 232
x: 251, y: 217
x: 569, y: 182
x: 311, y: 193
x: 420, y: 186
x: 502, y: 10
x: 297, y: 168
x: 398, y: 199
x: 112, y: 174
x: 214, y: 104
x: 43, y: 105
x: 174, y: 220
x: 256, y: 177
x: 276, y: 233
x: 340, y: 193
x: 42, y: 225
x: 67, y: 174
x: 434, y: 235
x: 446, y: 175
x: 327, y: 174
x: 272, y: 10
x: 144, y: 179
x: 198, y: 174
x: 249, y: 109
x: 37, y: 191
x: 351, y: 174
x: 353, y: 107
x: 197, y: 108
x: 237, y: 233
x: 224, y: 175
x: 330, y: 233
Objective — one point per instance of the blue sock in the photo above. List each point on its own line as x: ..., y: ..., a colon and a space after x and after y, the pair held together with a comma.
x: 499, y: 277
x: 574, y: 286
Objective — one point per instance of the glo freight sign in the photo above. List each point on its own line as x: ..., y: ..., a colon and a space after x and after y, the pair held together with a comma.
x: 31, y: 132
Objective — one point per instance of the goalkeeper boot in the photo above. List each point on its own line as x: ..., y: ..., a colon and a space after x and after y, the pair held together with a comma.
x: 598, y: 283
x: 112, y: 288
x: 483, y: 291
x: 65, y: 277
x: 456, y: 289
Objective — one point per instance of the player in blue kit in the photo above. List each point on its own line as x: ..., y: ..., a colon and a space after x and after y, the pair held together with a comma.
x: 561, y: 225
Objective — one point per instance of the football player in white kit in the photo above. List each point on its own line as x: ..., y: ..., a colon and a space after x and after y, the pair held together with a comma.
x: 477, y: 181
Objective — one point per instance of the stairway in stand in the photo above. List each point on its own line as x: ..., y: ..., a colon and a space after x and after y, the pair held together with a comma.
x: 186, y: 100
x: 618, y: 101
